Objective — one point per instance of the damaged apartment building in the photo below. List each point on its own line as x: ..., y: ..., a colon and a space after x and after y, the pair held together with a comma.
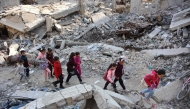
x: 151, y: 34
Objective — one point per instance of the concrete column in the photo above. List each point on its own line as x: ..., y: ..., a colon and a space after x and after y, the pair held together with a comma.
x: 113, y: 4
x: 82, y: 6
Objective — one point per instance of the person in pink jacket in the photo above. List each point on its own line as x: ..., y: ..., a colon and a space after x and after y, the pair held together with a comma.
x: 78, y: 61
x: 110, y: 76
x: 44, y: 63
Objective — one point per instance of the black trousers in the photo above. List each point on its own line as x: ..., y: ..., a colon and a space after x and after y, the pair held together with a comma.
x: 72, y: 73
x: 120, y: 81
x: 107, y: 83
x: 27, y: 72
x: 50, y: 68
x: 60, y: 81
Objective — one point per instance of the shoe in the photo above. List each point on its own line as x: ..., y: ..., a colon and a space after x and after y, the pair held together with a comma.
x: 61, y: 87
x: 68, y: 83
x: 55, y: 85
x: 82, y: 82
x: 142, y: 94
x: 148, y: 100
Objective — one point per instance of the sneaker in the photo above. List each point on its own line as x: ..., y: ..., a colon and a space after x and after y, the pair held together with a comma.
x: 148, y: 100
x: 82, y: 82
x: 142, y: 94
x: 61, y: 87
x: 68, y: 83
x: 55, y: 85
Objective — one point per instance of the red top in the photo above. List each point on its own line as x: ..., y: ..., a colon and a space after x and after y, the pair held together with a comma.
x: 152, y: 79
x: 57, y: 69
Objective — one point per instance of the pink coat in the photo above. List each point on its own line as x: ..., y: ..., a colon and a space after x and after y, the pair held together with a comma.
x: 152, y: 79
x: 110, y: 75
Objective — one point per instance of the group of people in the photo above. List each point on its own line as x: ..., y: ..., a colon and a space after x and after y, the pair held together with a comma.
x: 114, y: 73
x: 48, y: 63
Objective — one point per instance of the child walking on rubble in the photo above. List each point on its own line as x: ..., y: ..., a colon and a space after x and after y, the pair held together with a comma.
x: 25, y: 64
x: 71, y: 68
x: 44, y: 63
x: 21, y: 70
x: 110, y: 74
x: 58, y: 72
x: 49, y: 56
x: 78, y: 62
x: 152, y: 80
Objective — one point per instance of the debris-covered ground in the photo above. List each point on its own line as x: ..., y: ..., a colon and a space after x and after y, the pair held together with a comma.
x: 101, y: 36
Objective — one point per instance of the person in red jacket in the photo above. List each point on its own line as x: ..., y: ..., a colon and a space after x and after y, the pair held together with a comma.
x: 58, y: 72
x: 152, y: 80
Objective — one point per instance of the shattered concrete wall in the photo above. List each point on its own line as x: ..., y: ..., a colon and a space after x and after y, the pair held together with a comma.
x: 151, y: 6
x: 8, y: 3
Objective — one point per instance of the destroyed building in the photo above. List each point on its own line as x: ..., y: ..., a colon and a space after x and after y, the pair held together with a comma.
x: 152, y: 34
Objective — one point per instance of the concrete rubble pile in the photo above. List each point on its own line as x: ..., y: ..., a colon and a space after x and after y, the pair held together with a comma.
x: 149, y: 41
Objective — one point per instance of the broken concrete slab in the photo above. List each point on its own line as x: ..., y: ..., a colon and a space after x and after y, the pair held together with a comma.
x: 35, y: 48
x: 180, y: 19
x: 169, y: 91
x: 13, y: 49
x: 49, y: 23
x: 9, y: 3
x: 99, y: 18
x: 103, y: 100
x: 167, y: 52
x: 99, y: 46
x: 122, y: 100
x: 154, y: 32
x: 29, y: 94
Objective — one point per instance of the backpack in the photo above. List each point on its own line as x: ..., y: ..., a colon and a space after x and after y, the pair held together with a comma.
x: 105, y: 76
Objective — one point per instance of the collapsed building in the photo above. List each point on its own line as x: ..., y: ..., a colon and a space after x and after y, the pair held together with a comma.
x: 151, y: 33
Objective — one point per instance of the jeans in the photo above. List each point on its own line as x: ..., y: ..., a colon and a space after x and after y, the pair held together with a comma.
x: 113, y: 84
x: 120, y: 81
x: 60, y: 80
x: 151, y: 92
x: 75, y: 73
x: 23, y: 75
x: 27, y: 72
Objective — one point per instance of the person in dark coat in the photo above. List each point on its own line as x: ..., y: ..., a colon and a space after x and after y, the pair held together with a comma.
x: 119, y: 72
x: 71, y: 68
x: 25, y: 64
x: 49, y: 56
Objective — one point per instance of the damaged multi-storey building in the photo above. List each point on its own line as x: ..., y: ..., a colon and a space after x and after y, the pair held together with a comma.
x: 151, y: 34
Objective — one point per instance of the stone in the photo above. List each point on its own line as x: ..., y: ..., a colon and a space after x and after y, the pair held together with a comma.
x: 111, y: 40
x: 58, y: 27
x: 62, y: 44
x: 13, y: 49
x: 167, y: 52
x: 122, y: 100
x: 185, y: 32
x: 29, y: 94
x: 154, y: 32
x: 169, y: 91
x: 180, y: 19
x: 99, y: 18
x: 103, y: 100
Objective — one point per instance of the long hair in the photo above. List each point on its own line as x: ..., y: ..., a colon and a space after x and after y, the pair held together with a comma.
x: 111, y: 65
x: 72, y: 55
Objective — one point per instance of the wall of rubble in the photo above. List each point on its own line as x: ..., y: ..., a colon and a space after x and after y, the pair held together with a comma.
x: 8, y: 3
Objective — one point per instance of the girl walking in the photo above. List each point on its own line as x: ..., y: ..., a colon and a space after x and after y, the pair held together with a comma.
x: 71, y: 68
x: 44, y: 63
x: 78, y: 62
x: 110, y: 75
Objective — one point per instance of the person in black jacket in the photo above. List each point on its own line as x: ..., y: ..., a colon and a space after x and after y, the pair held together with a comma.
x: 26, y: 64
x: 71, y: 68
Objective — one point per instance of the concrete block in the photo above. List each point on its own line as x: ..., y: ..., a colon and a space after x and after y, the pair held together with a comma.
x: 180, y: 19
x: 52, y: 100
x: 29, y: 94
x: 58, y: 27
x: 134, y: 97
x: 49, y: 23
x: 62, y: 44
x: 167, y: 52
x: 31, y: 105
x: 13, y: 49
x: 103, y: 100
x: 82, y: 90
x: 185, y: 32
x: 169, y: 91
x: 99, y: 18
x: 154, y: 32
x: 33, y: 49
x: 123, y: 100
x: 89, y: 88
